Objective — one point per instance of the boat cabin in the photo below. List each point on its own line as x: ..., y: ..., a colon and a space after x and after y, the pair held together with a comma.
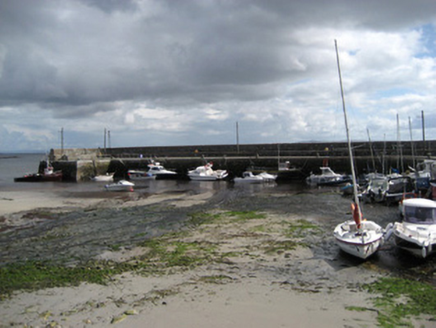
x: 419, y: 211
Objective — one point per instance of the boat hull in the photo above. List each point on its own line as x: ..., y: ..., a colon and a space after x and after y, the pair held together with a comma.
x: 361, y: 244
x: 413, y: 243
x: 140, y: 175
x: 205, y: 178
x: 36, y: 177
x: 103, y: 178
x: 166, y: 176
x: 120, y: 186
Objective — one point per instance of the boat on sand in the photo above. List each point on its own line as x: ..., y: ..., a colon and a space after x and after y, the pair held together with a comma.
x: 103, y: 177
x: 357, y: 237
x: 140, y: 175
x: 249, y: 177
x: 121, y: 185
x: 159, y: 172
x: 417, y: 233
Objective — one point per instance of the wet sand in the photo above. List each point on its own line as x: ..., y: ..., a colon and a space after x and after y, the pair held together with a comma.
x: 250, y: 285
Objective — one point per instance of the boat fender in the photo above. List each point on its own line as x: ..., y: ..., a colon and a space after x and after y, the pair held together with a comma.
x: 356, y: 215
x: 424, y: 252
x: 388, y: 231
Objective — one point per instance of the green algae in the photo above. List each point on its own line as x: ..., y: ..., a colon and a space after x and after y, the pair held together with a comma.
x: 38, y: 275
x: 399, y: 300
x: 161, y: 253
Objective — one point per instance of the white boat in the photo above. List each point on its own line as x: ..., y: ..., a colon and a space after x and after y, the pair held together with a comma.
x: 423, y: 174
x: 121, y: 185
x: 139, y: 175
x: 159, y: 172
x: 206, y: 173
x: 417, y: 233
x: 267, y: 177
x: 327, y: 177
x: 360, y: 238
x: 249, y: 177
x: 104, y: 178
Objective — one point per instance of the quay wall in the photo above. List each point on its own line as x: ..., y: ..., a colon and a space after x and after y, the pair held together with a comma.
x: 82, y: 163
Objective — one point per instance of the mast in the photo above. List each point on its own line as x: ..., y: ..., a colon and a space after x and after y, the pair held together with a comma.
x: 400, y: 147
x: 372, y: 152
x: 423, y: 131
x: 237, y: 137
x: 353, y: 174
x: 411, y: 144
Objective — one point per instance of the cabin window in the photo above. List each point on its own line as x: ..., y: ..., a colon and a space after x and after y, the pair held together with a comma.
x: 420, y: 215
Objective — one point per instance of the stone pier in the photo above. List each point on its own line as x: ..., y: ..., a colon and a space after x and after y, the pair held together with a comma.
x: 81, y: 164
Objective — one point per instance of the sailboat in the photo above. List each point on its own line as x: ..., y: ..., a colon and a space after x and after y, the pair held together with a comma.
x: 358, y: 237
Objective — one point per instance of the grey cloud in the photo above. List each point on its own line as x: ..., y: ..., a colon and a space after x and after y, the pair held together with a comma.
x: 206, y: 48
x: 110, y: 6
x: 73, y: 59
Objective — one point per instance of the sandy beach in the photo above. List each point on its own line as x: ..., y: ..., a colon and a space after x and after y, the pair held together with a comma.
x: 262, y: 269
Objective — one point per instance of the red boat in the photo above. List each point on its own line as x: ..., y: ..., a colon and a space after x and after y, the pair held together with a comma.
x: 48, y: 175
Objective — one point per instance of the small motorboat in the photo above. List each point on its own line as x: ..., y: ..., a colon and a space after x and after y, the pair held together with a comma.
x: 267, y: 177
x: 103, y: 177
x: 375, y: 190
x: 140, y: 175
x: 249, y: 177
x: 121, y: 185
x: 159, y: 172
x: 388, y: 189
x: 206, y: 173
x: 417, y: 233
x: 327, y: 177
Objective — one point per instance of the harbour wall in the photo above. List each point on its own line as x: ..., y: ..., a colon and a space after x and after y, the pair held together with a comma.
x: 79, y: 164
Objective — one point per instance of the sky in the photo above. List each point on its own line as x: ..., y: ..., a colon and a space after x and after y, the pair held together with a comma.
x: 188, y: 72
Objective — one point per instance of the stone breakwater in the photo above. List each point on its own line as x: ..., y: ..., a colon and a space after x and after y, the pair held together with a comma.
x: 81, y: 164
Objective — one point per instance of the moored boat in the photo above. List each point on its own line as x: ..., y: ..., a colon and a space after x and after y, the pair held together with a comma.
x: 416, y: 234
x: 49, y: 174
x: 206, y: 173
x: 140, y: 175
x: 159, y: 172
x: 103, y: 177
x: 249, y: 177
x: 267, y: 177
x: 121, y: 185
x: 327, y: 177
x: 358, y: 237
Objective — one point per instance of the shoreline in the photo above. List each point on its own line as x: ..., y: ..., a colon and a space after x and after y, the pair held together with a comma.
x: 254, y: 267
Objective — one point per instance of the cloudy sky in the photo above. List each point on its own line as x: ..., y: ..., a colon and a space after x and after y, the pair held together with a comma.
x: 156, y: 72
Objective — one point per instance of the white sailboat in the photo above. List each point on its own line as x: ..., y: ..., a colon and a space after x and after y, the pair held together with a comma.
x: 360, y: 238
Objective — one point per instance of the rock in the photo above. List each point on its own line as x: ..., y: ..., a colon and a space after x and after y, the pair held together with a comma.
x: 131, y: 312
x: 119, y: 318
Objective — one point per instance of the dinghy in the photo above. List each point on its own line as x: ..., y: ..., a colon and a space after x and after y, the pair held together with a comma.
x: 358, y: 237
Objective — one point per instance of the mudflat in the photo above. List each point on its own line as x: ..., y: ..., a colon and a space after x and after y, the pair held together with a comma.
x: 216, y: 258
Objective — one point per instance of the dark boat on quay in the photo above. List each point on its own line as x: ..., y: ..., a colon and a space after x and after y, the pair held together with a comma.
x: 48, y: 175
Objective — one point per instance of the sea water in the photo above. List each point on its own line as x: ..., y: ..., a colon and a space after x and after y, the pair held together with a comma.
x: 17, y: 165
